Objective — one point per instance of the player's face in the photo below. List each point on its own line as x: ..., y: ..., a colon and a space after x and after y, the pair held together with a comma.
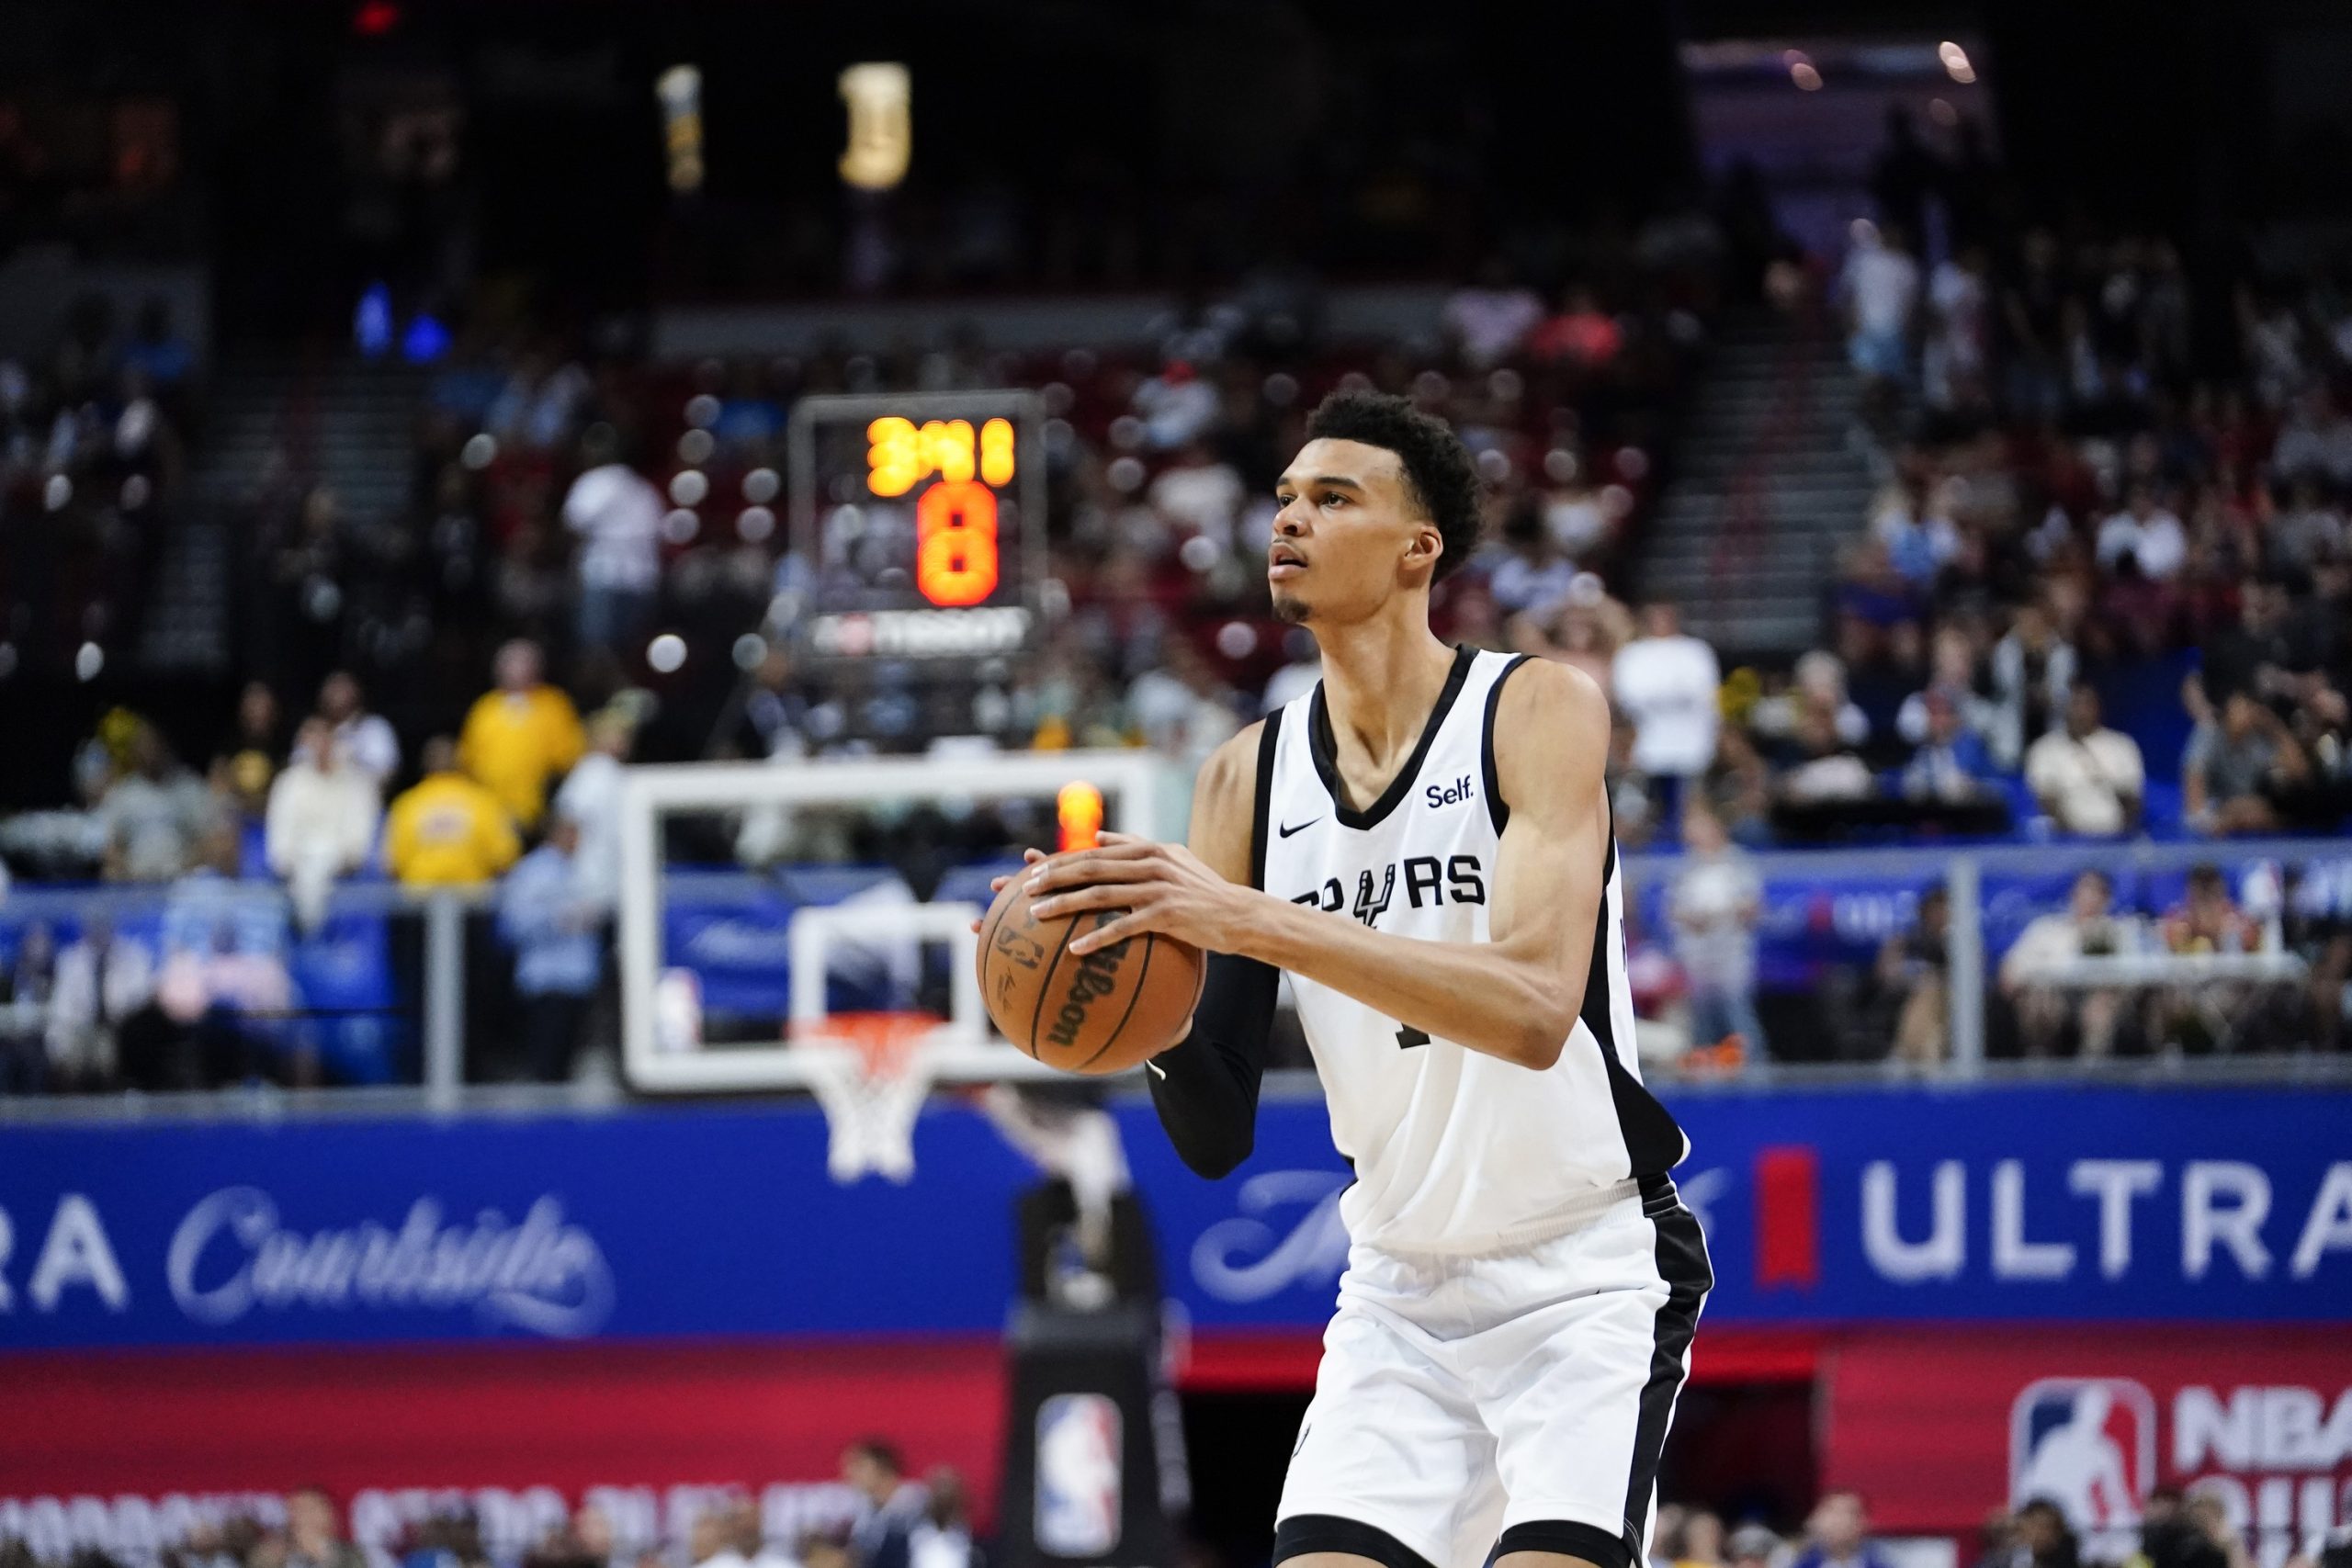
x: 1348, y: 538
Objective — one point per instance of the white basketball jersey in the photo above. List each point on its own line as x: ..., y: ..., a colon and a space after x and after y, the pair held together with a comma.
x: 1453, y: 1150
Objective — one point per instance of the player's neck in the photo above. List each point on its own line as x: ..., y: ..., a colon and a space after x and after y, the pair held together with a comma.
x: 1380, y: 680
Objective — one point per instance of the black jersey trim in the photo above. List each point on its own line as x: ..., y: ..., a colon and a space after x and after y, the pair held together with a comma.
x: 1654, y: 1139
x: 1325, y: 750
x: 1265, y: 803
x: 1497, y: 809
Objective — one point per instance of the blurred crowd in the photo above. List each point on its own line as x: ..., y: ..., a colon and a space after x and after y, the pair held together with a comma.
x: 882, y: 1518
x: 93, y: 460
x: 2175, y: 1530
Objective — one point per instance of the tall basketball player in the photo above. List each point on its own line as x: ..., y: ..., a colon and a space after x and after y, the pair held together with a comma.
x: 1423, y: 845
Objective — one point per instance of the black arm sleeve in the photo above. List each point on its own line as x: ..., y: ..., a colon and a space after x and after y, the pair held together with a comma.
x: 1206, y: 1088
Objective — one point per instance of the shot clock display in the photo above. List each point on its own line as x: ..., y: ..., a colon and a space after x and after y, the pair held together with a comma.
x: 921, y: 520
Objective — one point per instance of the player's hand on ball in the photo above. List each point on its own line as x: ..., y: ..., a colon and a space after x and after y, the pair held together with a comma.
x: 997, y: 884
x: 1163, y: 887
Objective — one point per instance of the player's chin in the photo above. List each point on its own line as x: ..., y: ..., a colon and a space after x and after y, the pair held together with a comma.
x: 1289, y: 608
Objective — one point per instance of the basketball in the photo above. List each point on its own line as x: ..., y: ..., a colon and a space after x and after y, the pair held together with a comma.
x: 1098, y: 1013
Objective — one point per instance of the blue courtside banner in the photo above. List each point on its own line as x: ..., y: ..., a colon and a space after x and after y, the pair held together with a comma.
x: 2046, y: 1204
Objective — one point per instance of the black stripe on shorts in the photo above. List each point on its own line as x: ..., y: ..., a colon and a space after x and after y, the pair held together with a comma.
x: 1304, y: 1533
x: 1682, y: 1264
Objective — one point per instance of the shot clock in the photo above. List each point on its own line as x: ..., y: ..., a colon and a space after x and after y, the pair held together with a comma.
x: 921, y: 520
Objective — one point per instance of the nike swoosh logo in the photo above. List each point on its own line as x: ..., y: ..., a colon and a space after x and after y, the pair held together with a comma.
x: 1285, y: 832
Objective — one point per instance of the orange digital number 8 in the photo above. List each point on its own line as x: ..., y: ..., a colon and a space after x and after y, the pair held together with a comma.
x: 956, y: 542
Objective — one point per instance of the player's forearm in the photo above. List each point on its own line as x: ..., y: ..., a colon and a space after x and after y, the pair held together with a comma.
x: 1482, y: 996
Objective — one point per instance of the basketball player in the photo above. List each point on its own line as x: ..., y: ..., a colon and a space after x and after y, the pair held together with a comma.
x: 1423, y: 845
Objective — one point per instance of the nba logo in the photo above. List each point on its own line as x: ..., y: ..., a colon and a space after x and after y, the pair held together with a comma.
x: 1078, y: 1497
x: 2087, y: 1444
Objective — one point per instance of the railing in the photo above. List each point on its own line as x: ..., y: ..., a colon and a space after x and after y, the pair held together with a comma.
x: 1822, y: 909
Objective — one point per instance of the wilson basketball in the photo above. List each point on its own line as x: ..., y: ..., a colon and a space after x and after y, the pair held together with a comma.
x: 1098, y: 1013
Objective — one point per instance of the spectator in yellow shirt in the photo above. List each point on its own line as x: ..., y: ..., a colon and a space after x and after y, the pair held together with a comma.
x: 448, y: 830
x: 521, y: 735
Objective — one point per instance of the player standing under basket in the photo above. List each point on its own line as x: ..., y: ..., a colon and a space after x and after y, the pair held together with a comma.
x: 1423, y: 843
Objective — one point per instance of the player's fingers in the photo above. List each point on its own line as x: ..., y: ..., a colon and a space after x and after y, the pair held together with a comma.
x: 1077, y: 900
x: 1133, y: 923
x: 1108, y: 874
x: 1086, y: 866
x: 1030, y: 857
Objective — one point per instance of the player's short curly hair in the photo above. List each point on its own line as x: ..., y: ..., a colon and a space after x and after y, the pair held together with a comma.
x: 1439, y: 477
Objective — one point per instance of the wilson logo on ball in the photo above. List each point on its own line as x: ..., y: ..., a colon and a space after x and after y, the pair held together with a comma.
x: 1097, y: 977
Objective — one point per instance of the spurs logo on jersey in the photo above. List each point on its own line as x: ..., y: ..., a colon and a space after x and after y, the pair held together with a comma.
x: 1452, y: 1148
x: 1428, y: 880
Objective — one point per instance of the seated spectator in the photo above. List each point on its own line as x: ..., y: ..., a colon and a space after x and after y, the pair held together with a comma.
x: 1913, y: 997
x: 522, y: 735
x: 103, y: 979
x: 552, y: 924
x: 1178, y: 407
x: 2086, y: 776
x: 2147, y: 534
x: 1489, y: 320
x: 322, y: 823
x: 1714, y: 902
x: 155, y: 814
x: 2033, y: 669
x: 1953, y: 671
x: 1530, y: 570
x: 891, y: 1505
x: 2086, y: 927
x: 1838, y: 1536
x: 2207, y: 1015
x: 1825, y: 768
x: 2232, y: 768
x: 314, y: 1533
x: 943, y: 1538
x: 447, y: 831
x: 1952, y: 765
x: 2306, y: 532
x: 366, y: 738
x: 1201, y: 493
x: 2044, y: 1538
x: 1582, y: 334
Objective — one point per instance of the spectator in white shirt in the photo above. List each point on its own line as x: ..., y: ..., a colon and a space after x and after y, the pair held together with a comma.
x: 617, y: 513
x: 1178, y: 407
x: 2150, y: 536
x: 2088, y: 778
x: 1880, y: 288
x: 1201, y: 493
x: 1666, y: 685
x: 2085, y: 928
x: 591, y: 796
x: 321, y: 821
x: 368, y: 741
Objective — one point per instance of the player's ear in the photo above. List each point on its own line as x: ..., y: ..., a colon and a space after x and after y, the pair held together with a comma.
x: 1425, y: 547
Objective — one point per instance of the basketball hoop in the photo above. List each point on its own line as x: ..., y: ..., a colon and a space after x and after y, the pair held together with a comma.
x: 871, y: 1073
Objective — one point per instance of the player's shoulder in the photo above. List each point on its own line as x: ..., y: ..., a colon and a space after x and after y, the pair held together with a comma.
x: 1234, y: 764
x: 1549, y: 695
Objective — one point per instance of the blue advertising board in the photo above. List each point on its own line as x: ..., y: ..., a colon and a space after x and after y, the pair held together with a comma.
x: 2042, y: 1203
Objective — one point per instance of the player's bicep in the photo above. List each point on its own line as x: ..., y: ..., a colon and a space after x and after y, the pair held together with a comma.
x: 1556, y: 844
x: 1225, y: 807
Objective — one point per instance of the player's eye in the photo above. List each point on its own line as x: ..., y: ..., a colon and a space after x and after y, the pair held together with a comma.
x: 1335, y: 499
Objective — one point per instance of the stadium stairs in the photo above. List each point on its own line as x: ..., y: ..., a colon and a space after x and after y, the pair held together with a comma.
x: 1770, y: 484
x: 346, y: 424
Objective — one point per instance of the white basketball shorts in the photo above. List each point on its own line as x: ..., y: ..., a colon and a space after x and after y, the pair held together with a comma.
x: 1505, y: 1401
